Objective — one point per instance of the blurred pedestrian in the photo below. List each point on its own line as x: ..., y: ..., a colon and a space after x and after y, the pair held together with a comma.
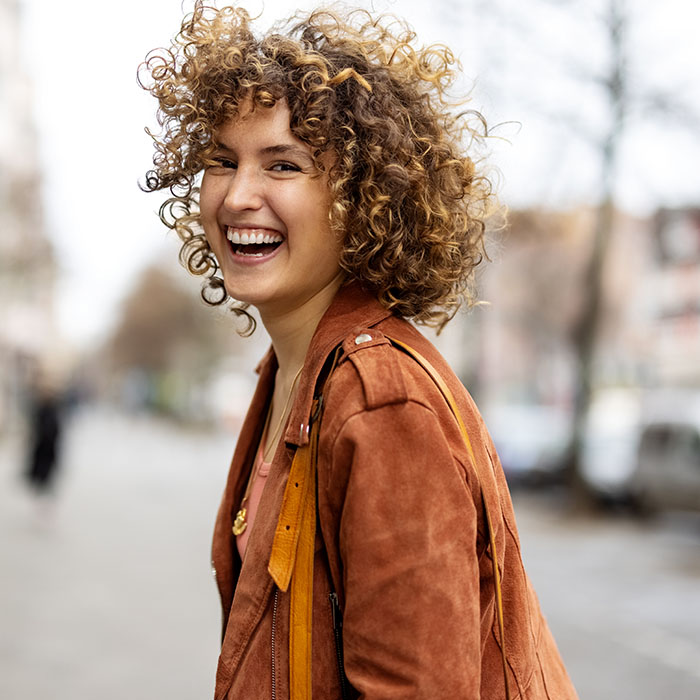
x: 44, y: 437
x: 337, y: 197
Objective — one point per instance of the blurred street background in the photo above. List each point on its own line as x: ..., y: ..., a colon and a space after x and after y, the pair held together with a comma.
x: 107, y: 591
x: 121, y: 393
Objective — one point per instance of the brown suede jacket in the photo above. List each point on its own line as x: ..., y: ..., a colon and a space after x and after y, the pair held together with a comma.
x: 402, y: 536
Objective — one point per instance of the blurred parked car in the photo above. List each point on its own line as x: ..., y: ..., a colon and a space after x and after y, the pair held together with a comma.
x: 645, y: 453
x: 668, y: 471
x: 531, y: 440
x: 611, y: 444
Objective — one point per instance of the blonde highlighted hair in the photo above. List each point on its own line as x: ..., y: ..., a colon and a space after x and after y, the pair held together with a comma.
x: 408, y: 202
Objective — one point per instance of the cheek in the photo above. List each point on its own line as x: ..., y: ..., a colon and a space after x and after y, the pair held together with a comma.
x: 208, y: 197
x: 327, y: 250
x: 319, y: 209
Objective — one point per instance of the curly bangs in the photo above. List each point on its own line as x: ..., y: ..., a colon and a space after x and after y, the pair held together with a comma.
x: 408, y: 202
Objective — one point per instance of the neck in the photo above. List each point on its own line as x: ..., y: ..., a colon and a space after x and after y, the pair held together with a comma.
x: 291, y: 331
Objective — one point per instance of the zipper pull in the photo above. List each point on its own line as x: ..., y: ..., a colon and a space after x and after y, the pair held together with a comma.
x: 335, y: 611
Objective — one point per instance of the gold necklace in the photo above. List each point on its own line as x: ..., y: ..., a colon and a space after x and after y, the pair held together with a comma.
x: 240, y: 523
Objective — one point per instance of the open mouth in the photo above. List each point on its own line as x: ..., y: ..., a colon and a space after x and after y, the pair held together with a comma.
x: 253, y: 242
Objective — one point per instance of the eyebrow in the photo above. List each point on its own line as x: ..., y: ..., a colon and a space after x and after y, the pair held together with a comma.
x: 277, y: 149
x: 284, y: 148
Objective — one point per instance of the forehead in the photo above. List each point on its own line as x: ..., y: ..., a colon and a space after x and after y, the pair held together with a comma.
x: 257, y: 124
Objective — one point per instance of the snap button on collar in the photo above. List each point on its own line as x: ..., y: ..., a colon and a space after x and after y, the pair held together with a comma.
x: 363, y: 338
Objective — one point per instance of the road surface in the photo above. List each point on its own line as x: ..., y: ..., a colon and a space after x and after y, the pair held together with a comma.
x: 106, y: 590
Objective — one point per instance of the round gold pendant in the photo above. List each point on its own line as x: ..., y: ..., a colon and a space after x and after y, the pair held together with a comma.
x: 240, y: 524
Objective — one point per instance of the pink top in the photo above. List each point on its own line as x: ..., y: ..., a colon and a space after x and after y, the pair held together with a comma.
x: 256, y: 489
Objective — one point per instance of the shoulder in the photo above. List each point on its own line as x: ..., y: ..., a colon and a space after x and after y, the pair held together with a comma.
x: 372, y: 364
x: 385, y: 419
x: 375, y: 371
x: 386, y: 364
x: 376, y: 378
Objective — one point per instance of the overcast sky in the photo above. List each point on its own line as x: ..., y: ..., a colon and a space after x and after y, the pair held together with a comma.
x: 90, y: 114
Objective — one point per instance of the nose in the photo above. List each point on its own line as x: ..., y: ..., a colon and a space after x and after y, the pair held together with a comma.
x: 244, y: 190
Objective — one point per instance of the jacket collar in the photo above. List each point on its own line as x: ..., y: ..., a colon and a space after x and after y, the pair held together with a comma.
x: 352, y: 309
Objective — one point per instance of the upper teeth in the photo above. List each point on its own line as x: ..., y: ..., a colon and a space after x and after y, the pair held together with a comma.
x: 251, y: 235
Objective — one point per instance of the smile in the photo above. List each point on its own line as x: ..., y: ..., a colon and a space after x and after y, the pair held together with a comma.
x: 253, y: 242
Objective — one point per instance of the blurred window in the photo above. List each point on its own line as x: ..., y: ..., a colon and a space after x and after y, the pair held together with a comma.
x: 657, y: 438
x: 672, y: 441
x: 690, y: 446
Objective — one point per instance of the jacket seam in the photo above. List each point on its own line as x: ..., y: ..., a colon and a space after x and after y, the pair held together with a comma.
x: 470, y: 478
x: 236, y: 657
x: 359, y: 412
x: 544, y: 676
x: 522, y: 686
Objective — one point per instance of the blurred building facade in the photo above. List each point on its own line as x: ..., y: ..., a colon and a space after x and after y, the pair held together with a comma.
x: 27, y: 262
x: 648, y: 335
x: 675, y: 347
x: 649, y: 328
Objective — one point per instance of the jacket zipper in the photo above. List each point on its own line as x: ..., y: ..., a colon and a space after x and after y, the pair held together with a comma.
x: 337, y: 618
x: 274, y: 632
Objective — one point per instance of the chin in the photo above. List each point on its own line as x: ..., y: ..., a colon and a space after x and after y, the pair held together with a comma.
x: 246, y: 296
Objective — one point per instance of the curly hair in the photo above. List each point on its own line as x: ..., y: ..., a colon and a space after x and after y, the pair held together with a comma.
x: 408, y: 202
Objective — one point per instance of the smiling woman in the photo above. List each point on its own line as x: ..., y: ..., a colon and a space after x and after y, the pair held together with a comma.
x: 374, y: 115
x: 365, y: 545
x: 264, y: 209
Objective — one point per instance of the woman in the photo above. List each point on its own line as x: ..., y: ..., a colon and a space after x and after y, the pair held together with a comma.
x: 337, y: 199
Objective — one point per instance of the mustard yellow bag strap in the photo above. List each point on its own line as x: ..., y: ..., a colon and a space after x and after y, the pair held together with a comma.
x: 299, y: 489
x: 292, y: 560
x: 292, y: 556
x: 445, y: 391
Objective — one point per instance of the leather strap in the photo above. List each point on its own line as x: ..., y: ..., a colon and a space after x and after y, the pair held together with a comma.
x: 445, y: 391
x: 292, y: 556
x: 292, y: 559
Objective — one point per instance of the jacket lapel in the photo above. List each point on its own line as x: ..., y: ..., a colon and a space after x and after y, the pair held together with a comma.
x: 224, y: 556
x: 255, y: 585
